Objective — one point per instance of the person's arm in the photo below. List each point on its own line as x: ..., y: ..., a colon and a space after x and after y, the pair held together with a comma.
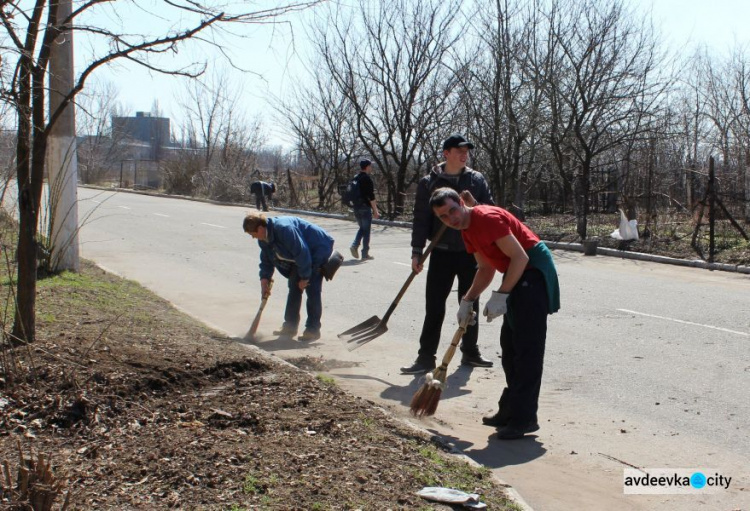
x: 266, y: 262
x: 368, y: 194
x: 519, y: 259
x: 482, y: 279
x: 483, y: 195
x: 374, y: 206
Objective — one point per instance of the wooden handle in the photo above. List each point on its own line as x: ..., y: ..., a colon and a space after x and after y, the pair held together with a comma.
x: 413, y: 274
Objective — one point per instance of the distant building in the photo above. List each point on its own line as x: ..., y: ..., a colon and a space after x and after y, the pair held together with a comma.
x: 143, y: 127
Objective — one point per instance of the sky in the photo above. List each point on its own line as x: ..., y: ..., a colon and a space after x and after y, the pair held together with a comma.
x: 271, y: 55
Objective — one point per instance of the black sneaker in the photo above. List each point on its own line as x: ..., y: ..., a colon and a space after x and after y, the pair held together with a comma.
x: 476, y: 360
x: 499, y: 420
x: 419, y: 367
x: 515, y: 432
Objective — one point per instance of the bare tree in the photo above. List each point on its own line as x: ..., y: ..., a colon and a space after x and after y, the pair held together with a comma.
x: 603, y: 88
x: 741, y: 78
x: 502, y: 94
x: 30, y: 30
x: 100, y: 149
x: 218, y: 143
x: 319, y: 117
x: 388, y: 59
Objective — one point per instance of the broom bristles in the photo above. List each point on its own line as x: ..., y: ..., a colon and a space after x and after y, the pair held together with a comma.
x: 426, y: 399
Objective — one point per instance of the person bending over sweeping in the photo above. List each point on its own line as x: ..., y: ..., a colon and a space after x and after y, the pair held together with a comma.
x: 528, y: 294
x: 298, y: 249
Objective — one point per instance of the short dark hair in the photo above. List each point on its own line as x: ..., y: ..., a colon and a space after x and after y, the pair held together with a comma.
x: 364, y: 163
x: 252, y: 221
x: 441, y: 195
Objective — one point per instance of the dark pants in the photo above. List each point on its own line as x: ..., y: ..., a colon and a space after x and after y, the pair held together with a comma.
x: 260, y: 200
x: 443, y: 268
x: 314, y: 301
x: 522, y: 340
x: 364, y: 220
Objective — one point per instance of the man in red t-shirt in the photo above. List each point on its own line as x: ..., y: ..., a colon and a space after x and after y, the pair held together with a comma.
x: 529, y: 292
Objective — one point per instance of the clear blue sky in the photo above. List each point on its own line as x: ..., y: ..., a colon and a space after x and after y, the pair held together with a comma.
x: 270, y: 53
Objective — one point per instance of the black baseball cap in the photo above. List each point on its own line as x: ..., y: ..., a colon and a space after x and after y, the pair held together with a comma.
x: 456, y: 140
x: 364, y: 163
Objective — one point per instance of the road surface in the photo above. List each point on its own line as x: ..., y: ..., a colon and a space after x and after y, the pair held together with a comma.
x: 647, y: 365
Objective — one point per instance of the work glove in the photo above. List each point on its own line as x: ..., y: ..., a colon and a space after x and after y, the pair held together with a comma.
x: 496, y: 306
x: 466, y: 311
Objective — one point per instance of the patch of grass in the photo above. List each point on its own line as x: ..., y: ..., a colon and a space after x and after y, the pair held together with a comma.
x: 327, y: 380
x: 449, y: 473
x: 255, y: 484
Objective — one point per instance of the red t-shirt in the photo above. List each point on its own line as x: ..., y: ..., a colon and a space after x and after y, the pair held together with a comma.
x: 489, y: 224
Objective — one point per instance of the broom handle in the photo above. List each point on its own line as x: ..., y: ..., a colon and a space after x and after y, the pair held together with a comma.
x: 454, y: 343
x: 413, y: 274
x: 264, y: 299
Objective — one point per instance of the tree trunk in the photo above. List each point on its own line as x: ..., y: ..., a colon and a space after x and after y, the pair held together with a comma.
x: 25, y: 317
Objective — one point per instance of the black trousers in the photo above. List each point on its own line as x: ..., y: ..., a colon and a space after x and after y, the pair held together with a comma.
x: 260, y: 202
x: 443, y: 268
x: 522, y: 339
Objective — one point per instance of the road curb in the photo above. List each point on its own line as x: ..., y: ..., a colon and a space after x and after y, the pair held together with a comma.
x: 555, y: 245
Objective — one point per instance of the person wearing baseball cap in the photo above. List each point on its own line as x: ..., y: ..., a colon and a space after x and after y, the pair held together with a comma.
x: 449, y: 259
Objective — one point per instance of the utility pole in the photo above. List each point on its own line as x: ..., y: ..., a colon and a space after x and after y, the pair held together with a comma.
x: 62, y: 154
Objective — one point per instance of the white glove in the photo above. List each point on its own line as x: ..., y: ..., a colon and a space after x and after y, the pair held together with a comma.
x: 496, y: 306
x: 466, y: 311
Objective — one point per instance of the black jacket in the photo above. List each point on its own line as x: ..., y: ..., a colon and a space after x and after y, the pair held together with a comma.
x: 366, y: 189
x: 426, y: 224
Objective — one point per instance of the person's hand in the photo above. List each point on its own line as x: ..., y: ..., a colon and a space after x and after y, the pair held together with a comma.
x: 265, y: 289
x: 496, y: 306
x: 465, y: 315
x: 468, y: 198
x: 303, y: 284
x: 416, y: 266
x: 376, y: 214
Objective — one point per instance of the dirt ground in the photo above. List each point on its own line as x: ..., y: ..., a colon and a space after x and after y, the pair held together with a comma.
x: 137, y: 406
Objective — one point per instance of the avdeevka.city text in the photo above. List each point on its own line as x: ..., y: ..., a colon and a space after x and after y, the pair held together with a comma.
x: 676, y: 480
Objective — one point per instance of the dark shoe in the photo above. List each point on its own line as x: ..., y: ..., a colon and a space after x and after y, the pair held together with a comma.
x: 309, y: 335
x: 418, y: 367
x: 499, y: 420
x: 476, y: 361
x: 355, y: 251
x: 285, y: 331
x: 514, y: 432
x: 367, y: 257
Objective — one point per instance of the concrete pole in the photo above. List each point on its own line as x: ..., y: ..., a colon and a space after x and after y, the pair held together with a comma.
x: 62, y: 155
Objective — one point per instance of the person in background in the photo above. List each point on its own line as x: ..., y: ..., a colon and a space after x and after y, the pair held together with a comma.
x: 364, y: 210
x: 298, y: 249
x: 449, y: 258
x: 261, y: 190
x: 529, y: 292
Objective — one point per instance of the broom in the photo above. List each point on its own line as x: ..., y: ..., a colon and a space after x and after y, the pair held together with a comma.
x: 426, y: 399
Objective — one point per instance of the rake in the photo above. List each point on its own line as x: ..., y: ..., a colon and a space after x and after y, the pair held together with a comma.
x: 374, y: 327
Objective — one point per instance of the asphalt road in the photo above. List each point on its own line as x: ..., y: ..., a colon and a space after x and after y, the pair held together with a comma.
x: 647, y: 365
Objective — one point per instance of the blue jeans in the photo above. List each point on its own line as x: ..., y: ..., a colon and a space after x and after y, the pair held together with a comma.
x: 314, y: 301
x: 364, y: 220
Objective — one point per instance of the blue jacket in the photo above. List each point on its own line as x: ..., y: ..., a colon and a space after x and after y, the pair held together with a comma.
x: 293, y: 241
